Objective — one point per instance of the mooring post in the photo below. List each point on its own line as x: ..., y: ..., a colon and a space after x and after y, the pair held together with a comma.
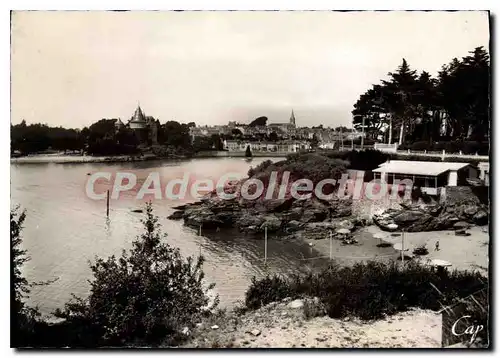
x: 330, y: 245
x: 265, y: 245
x: 107, y: 205
x: 403, y: 247
x: 199, y: 234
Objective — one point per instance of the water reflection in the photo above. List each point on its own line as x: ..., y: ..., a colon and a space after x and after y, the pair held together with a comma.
x: 64, y: 229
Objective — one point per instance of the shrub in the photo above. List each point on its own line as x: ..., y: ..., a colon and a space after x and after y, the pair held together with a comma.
x: 452, y: 147
x: 424, y: 145
x: 24, y: 319
x: 144, y: 297
x: 269, y: 289
x: 370, y: 290
x: 312, y: 166
x: 367, y: 159
x: 472, y: 147
x: 439, y: 146
x: 259, y: 168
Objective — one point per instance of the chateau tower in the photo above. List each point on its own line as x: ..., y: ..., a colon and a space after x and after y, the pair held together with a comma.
x: 138, y: 120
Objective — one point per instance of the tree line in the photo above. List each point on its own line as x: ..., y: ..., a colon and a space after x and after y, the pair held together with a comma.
x: 411, y: 107
x: 101, y: 138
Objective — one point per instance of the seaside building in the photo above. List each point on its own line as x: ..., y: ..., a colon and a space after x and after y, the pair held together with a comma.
x: 288, y: 146
x: 430, y: 177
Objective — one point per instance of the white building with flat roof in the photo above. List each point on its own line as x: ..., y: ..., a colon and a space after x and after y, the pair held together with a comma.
x: 430, y: 177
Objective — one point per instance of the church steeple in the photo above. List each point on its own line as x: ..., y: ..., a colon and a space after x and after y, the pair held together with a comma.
x: 292, y: 118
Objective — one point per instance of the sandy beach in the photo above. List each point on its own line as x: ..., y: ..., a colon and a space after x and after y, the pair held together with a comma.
x: 463, y: 252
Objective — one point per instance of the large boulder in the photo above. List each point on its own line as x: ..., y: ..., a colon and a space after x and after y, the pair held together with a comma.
x: 227, y: 217
x: 275, y: 205
x: 313, y: 210
x: 407, y: 217
x: 292, y: 214
x: 248, y: 219
x: 294, y: 225
x: 272, y: 222
x: 481, y: 217
x: 176, y: 215
x: 415, y: 218
x: 340, y: 208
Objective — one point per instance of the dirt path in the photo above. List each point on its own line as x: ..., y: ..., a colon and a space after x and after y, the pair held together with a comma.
x: 284, y: 325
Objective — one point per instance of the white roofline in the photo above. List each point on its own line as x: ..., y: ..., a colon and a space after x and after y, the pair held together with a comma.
x: 419, y: 168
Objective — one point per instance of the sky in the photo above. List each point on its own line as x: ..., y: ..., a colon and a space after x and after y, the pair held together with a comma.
x: 71, y: 69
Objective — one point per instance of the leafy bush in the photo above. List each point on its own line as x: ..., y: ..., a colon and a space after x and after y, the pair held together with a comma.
x: 24, y: 319
x: 144, y: 297
x: 472, y: 147
x: 421, y: 146
x: 259, y: 168
x: 452, y: 147
x: 369, y: 290
x: 312, y: 166
x: 367, y: 159
x: 269, y: 289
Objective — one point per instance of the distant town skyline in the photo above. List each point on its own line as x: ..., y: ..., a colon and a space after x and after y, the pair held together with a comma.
x: 73, y: 68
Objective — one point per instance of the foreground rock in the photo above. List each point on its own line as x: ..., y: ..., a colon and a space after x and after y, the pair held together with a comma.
x: 283, y: 325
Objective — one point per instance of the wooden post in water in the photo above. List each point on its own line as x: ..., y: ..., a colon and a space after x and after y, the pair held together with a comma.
x: 403, y: 247
x: 330, y: 245
x: 107, y: 205
x: 265, y: 245
x: 199, y: 234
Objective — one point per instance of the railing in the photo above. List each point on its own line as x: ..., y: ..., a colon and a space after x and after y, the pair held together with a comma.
x: 391, y: 147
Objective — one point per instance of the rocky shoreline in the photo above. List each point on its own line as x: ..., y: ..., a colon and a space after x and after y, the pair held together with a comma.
x: 289, y: 217
x: 314, y: 218
x: 435, y: 217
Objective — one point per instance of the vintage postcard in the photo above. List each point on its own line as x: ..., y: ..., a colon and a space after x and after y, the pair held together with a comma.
x: 250, y: 179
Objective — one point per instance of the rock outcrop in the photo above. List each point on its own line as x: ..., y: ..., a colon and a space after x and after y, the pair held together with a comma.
x: 415, y: 218
x: 285, y: 216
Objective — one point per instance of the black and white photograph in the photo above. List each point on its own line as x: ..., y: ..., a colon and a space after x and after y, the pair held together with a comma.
x: 250, y: 179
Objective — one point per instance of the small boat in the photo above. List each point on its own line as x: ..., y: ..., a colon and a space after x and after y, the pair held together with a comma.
x: 475, y: 182
x: 439, y: 263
